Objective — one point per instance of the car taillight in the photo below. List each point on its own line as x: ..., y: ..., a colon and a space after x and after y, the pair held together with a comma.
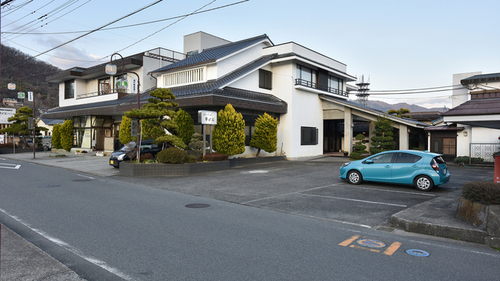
x: 435, y: 166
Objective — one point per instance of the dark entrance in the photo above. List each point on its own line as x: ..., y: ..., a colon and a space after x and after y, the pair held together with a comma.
x: 333, y: 131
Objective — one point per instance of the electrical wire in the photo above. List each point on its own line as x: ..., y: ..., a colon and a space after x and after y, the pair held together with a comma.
x: 16, y: 8
x: 74, y: 39
x: 20, y: 18
x: 130, y: 25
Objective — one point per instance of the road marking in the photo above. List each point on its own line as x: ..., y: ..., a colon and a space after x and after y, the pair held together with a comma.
x: 85, y: 176
x: 392, y: 249
x: 72, y: 249
x: 367, y: 245
x: 9, y: 166
x: 396, y: 191
x: 357, y: 200
x: 349, y: 241
x: 286, y: 194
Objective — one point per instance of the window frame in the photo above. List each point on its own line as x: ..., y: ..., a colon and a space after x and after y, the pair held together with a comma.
x: 69, y: 93
x: 309, y: 135
x: 265, y: 79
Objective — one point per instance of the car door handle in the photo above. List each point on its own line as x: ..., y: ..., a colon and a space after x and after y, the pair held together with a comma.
x: 387, y: 166
x: 414, y: 166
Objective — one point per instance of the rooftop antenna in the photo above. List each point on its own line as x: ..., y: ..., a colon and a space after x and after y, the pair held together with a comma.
x: 363, y: 89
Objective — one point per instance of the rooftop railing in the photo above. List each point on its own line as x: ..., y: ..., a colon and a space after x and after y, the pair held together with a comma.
x: 309, y: 84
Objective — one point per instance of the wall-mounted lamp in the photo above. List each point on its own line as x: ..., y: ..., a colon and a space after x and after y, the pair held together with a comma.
x: 466, y: 133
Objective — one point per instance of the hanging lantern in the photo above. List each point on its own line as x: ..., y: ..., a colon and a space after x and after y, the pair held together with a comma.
x: 111, y: 69
x: 122, y: 84
x: 11, y: 86
x: 21, y: 95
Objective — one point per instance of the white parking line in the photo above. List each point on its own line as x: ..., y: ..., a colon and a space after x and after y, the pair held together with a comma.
x: 281, y: 195
x: 396, y: 191
x: 356, y: 200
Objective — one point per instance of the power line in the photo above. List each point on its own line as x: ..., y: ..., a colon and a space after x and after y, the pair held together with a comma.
x: 20, y: 18
x: 130, y: 25
x: 72, y: 40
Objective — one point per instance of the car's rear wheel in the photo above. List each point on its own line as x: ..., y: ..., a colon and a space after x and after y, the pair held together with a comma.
x: 354, y: 177
x: 423, y: 183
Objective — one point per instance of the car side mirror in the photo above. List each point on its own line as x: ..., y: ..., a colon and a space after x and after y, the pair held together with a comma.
x: 368, y: 161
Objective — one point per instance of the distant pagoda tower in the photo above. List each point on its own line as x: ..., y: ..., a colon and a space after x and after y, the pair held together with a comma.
x: 363, y: 89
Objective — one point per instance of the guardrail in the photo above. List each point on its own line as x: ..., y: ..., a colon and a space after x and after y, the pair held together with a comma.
x: 309, y: 84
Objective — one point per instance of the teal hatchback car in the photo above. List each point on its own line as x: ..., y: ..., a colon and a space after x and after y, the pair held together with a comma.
x: 422, y: 169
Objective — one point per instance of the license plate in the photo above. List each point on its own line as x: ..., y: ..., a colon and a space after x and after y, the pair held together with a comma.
x: 445, y: 170
x: 111, y: 161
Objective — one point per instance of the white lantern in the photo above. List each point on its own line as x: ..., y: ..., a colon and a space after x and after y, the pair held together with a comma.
x: 111, y: 69
x: 21, y: 95
x: 11, y: 86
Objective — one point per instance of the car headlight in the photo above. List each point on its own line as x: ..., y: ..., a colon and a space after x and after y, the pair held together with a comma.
x: 345, y: 164
x: 121, y: 156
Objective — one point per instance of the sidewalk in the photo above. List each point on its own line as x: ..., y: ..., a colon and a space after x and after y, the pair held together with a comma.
x: 434, y: 217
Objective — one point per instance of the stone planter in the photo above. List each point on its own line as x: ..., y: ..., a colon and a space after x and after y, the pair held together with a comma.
x: 483, y: 217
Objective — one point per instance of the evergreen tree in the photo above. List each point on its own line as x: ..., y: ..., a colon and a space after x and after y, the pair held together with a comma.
x: 185, y: 123
x: 20, y: 126
x: 359, y: 147
x: 382, y: 139
x: 160, y: 113
x: 67, y: 135
x: 56, y: 136
x: 399, y: 113
x: 266, y: 134
x: 229, y: 133
x: 125, y: 131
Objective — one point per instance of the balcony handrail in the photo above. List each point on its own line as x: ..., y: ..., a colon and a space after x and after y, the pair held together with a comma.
x: 100, y: 93
x: 312, y: 85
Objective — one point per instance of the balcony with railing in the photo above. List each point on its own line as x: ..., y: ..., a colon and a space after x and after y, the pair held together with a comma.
x: 316, y: 86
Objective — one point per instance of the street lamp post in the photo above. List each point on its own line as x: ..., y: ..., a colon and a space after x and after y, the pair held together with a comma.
x: 111, y: 69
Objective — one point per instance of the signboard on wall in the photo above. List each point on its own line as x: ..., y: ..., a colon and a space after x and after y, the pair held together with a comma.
x: 5, y: 114
x: 206, y: 117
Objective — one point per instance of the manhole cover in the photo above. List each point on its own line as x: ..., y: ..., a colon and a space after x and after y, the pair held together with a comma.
x: 197, y: 205
x: 417, y: 253
x: 48, y: 185
x: 371, y: 243
x: 82, y: 180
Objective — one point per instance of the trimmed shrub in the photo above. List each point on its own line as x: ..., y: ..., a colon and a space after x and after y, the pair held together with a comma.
x: 215, y: 157
x: 191, y: 159
x: 56, y: 136
x: 465, y: 160
x: 66, y: 131
x: 172, y: 155
x: 359, y: 148
x: 483, y: 192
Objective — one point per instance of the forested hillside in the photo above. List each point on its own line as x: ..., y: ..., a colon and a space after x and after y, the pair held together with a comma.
x: 29, y: 74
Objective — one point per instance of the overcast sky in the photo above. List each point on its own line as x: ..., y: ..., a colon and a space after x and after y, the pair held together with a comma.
x: 398, y: 44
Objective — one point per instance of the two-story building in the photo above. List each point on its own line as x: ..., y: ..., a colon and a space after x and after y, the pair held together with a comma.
x: 306, y: 90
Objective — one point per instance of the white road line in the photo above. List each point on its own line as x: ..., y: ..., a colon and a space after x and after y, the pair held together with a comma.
x: 85, y: 176
x: 72, y: 249
x: 9, y: 166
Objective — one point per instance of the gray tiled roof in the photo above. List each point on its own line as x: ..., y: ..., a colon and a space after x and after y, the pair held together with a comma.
x: 476, y: 107
x: 214, y: 53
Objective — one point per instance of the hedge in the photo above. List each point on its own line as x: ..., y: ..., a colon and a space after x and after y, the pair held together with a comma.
x: 484, y: 192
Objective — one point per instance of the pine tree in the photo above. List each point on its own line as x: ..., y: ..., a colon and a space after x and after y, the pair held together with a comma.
x: 20, y: 125
x: 67, y: 135
x: 382, y: 139
x: 125, y: 130
x: 359, y: 147
x: 159, y: 112
x: 56, y: 136
x: 266, y: 134
x: 399, y: 113
x: 185, y: 123
x: 229, y: 133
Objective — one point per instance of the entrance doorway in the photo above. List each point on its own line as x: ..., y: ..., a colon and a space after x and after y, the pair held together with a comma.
x: 333, y: 135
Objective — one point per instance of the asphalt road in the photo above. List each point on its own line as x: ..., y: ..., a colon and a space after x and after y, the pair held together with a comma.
x: 113, y: 228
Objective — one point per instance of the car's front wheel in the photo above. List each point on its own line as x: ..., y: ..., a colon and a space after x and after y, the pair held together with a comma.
x: 354, y: 177
x: 423, y: 183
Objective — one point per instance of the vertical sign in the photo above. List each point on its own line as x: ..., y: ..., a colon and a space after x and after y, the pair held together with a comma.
x: 134, y: 85
x: 30, y: 96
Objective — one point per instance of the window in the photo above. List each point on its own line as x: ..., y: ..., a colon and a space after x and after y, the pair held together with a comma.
x: 407, y: 158
x: 265, y: 79
x: 104, y: 86
x: 308, y: 135
x: 69, y: 89
x: 335, y: 84
x: 307, y: 74
x: 184, y: 77
x: 382, y: 158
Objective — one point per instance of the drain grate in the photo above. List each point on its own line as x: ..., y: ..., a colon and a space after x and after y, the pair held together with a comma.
x: 197, y: 205
x: 79, y: 180
x: 48, y: 185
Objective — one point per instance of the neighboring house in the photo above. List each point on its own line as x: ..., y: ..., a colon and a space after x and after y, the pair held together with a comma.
x: 49, y: 124
x: 307, y: 92
x: 11, y: 102
x: 89, y: 97
x: 474, y: 120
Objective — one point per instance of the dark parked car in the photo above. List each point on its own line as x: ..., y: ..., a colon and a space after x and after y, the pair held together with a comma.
x: 147, y: 146
x: 422, y: 169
